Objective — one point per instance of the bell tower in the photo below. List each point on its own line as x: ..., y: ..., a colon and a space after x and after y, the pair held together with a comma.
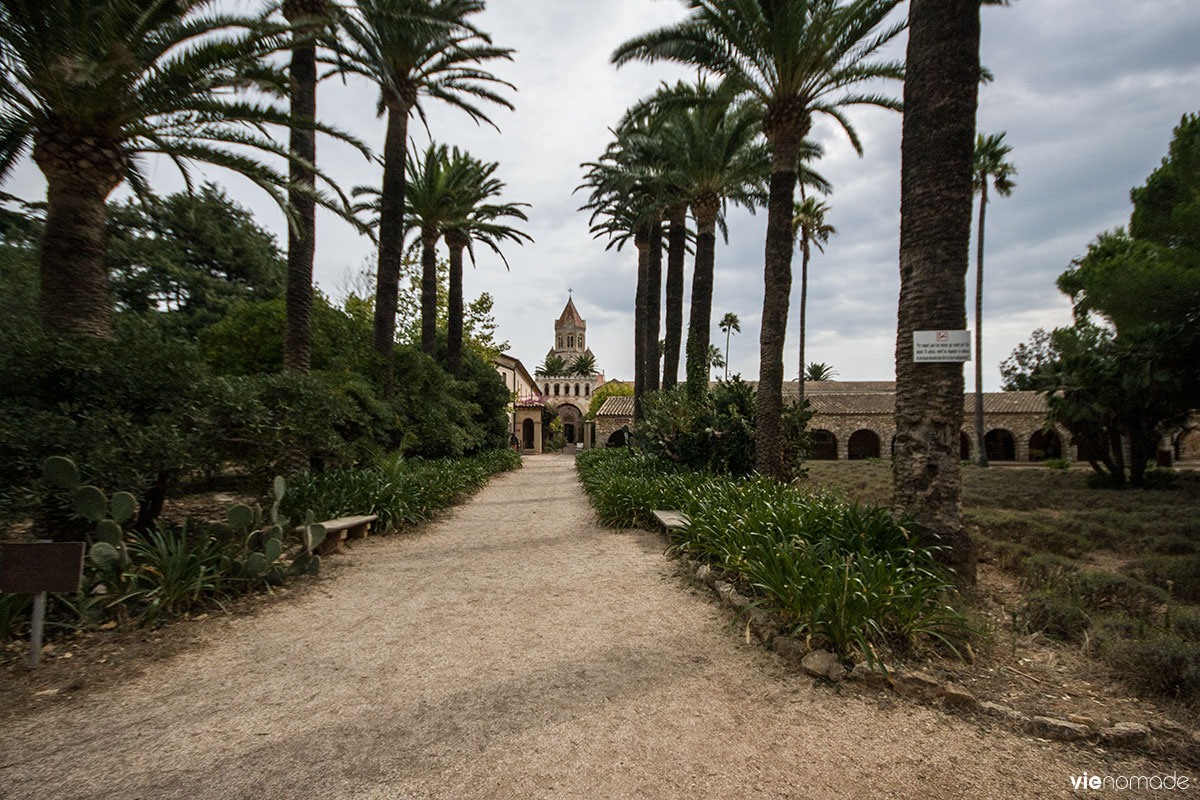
x: 570, y: 331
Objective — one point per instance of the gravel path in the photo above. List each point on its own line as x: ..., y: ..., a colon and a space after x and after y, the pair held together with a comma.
x: 512, y: 649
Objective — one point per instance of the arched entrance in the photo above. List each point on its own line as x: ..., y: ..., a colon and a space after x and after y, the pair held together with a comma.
x: 617, y: 439
x: 571, y: 417
x: 824, y: 446
x: 1044, y: 445
x: 1000, y: 445
x: 863, y: 444
x: 527, y: 434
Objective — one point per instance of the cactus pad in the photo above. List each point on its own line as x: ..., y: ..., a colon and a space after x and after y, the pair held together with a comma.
x: 60, y: 472
x: 314, y: 565
x: 273, y: 549
x: 317, y: 534
x: 90, y: 503
x: 279, y: 487
x: 104, y: 555
x: 256, y: 565
x: 240, y: 516
x: 109, y: 532
x: 123, y: 506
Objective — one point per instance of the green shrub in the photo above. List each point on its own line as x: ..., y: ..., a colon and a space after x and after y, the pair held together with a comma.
x: 1162, y: 663
x: 1178, y: 575
x: 844, y: 575
x: 1007, y: 555
x: 715, y: 433
x: 1057, y: 463
x: 1172, y: 544
x: 1055, y: 616
x: 128, y: 410
x: 1046, y: 571
x: 1104, y: 591
x: 401, y: 491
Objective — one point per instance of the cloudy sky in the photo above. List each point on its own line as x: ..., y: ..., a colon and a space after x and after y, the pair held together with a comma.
x: 1087, y: 90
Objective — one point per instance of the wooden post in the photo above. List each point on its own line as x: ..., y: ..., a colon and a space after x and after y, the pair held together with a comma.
x: 35, y: 632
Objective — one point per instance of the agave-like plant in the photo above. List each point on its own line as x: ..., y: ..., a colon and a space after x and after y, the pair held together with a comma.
x: 91, y: 87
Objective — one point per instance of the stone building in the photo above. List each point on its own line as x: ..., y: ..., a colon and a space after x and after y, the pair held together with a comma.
x: 519, y: 383
x: 569, y: 395
x: 856, y: 420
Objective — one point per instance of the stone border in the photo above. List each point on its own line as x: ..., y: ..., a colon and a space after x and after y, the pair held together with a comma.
x: 914, y: 684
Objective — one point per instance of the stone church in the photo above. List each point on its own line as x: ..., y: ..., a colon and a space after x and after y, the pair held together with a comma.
x: 570, y: 392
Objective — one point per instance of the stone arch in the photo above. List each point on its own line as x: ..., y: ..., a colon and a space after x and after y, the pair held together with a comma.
x: 587, y: 390
x: 572, y: 419
x: 556, y: 388
x: 1000, y: 445
x: 547, y: 390
x: 863, y: 444
x: 1045, y: 444
x: 527, y: 434
x: 577, y: 390
x: 824, y: 446
x: 617, y: 439
x: 1187, y: 446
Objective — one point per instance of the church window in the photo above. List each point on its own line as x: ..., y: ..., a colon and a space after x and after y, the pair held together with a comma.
x: 577, y: 390
x: 560, y: 343
x: 556, y: 390
x: 570, y: 340
x: 587, y: 391
x: 547, y: 389
x: 581, y: 340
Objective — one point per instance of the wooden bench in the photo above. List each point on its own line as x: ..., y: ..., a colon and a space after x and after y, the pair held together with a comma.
x: 671, y: 520
x: 337, y: 531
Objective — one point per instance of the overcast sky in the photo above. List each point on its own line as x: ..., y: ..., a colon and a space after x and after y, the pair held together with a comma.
x: 1087, y: 90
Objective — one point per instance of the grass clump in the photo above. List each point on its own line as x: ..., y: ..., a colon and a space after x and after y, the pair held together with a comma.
x: 843, y: 575
x: 401, y: 491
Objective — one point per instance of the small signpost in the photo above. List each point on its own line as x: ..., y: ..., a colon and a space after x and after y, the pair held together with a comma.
x: 941, y: 346
x: 37, y: 568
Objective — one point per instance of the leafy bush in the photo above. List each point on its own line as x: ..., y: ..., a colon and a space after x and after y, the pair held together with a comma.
x: 1162, y: 663
x: 1057, y: 463
x: 1046, y: 571
x: 129, y: 410
x: 843, y: 574
x: 401, y: 491
x: 1178, y: 575
x: 1055, y: 616
x: 715, y: 433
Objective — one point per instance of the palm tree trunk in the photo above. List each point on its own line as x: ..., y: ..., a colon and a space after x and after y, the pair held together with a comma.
x: 429, y: 287
x: 391, y: 238
x: 728, y: 332
x: 454, y: 314
x: 653, y: 305
x: 297, y: 339
x: 676, y: 248
x: 700, y: 320
x: 804, y: 256
x: 75, y: 297
x: 940, y: 92
x: 982, y: 459
x: 777, y: 285
x: 639, y: 321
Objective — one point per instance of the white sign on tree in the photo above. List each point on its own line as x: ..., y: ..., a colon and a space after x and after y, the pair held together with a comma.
x: 940, y: 346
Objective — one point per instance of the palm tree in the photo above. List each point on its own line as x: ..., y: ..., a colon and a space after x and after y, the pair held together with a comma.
x: 584, y: 365
x: 475, y: 220
x: 792, y: 59
x: 714, y: 359
x: 988, y: 166
x: 413, y: 48
x: 809, y: 225
x: 307, y: 18
x: 553, y: 367
x: 729, y: 324
x: 818, y: 372
x: 95, y: 86
x: 720, y: 162
x: 940, y: 95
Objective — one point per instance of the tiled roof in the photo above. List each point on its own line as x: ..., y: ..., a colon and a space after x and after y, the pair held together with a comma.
x: 570, y: 315
x: 616, y: 407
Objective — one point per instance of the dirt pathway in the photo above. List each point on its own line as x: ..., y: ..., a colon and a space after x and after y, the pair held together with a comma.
x: 513, y: 649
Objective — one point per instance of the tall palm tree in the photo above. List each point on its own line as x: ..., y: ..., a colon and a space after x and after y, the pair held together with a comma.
x: 988, y: 166
x: 93, y: 87
x: 719, y: 162
x: 584, y: 365
x: 729, y: 324
x: 414, y: 48
x: 307, y: 18
x: 714, y: 360
x: 552, y: 367
x: 792, y: 59
x: 940, y: 96
x: 819, y: 371
x: 809, y: 225
x: 475, y: 220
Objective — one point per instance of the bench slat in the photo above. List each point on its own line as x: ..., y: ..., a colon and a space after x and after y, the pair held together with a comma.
x: 672, y: 520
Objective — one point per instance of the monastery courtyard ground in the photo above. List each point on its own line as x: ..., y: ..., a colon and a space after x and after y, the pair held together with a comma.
x: 512, y: 649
